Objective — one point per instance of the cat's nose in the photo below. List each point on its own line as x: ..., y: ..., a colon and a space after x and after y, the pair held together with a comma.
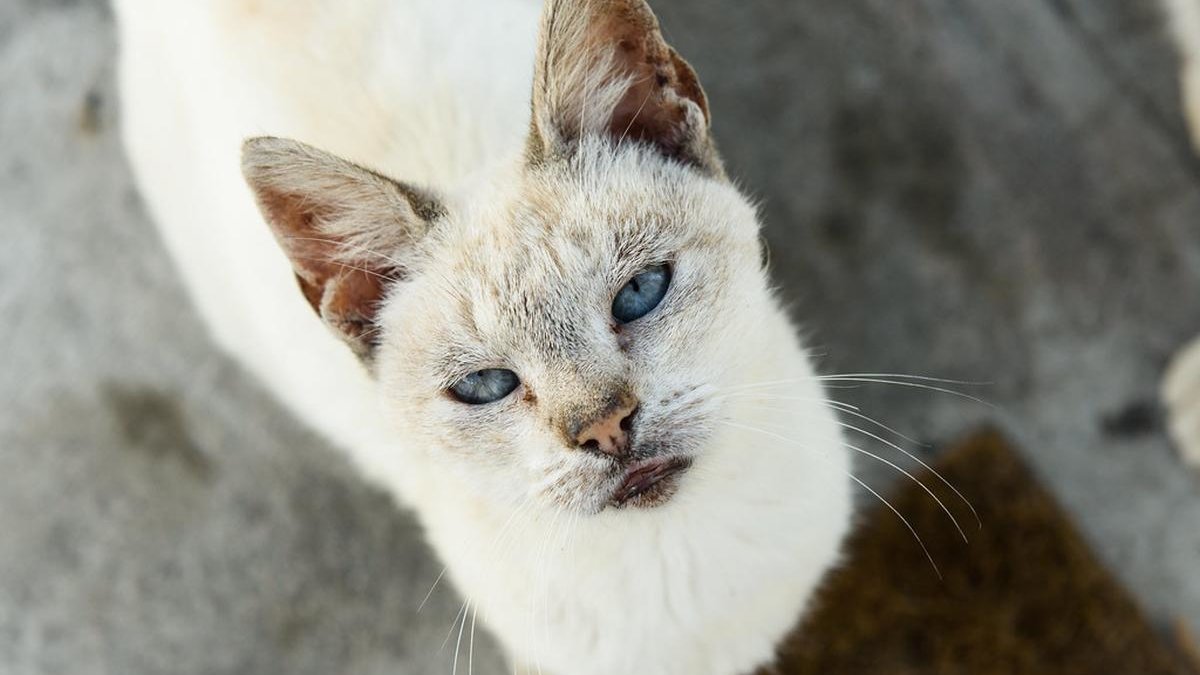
x: 609, y: 434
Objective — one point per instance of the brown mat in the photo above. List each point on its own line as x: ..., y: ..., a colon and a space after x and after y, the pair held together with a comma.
x: 1026, y: 595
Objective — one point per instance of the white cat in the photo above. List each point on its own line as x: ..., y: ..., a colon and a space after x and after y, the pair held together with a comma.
x: 550, y: 335
x: 1181, y: 387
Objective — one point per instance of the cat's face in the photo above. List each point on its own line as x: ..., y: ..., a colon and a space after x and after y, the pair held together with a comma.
x: 561, y: 337
x: 613, y: 286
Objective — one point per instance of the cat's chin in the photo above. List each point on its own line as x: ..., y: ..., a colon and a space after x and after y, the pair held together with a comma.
x: 649, y: 483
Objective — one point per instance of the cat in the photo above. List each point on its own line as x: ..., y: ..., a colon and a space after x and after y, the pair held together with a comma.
x: 548, y: 326
x: 1181, y: 386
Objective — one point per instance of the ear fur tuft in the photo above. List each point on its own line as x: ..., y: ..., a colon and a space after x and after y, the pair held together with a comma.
x: 604, y: 68
x: 347, y: 230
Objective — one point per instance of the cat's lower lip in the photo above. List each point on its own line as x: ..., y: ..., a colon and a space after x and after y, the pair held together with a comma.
x: 650, y: 482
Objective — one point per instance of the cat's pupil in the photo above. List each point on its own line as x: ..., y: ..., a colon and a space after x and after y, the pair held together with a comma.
x: 642, y: 294
x: 485, y: 386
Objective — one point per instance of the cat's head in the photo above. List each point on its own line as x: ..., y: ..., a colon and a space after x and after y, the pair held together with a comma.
x: 561, y: 335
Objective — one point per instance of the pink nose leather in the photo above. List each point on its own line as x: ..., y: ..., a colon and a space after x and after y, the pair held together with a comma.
x: 609, y: 434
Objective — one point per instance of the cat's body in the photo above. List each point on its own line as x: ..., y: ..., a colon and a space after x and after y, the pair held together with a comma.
x: 526, y: 237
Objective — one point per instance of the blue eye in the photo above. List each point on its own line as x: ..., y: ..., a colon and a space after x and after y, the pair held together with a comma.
x: 642, y: 294
x: 485, y: 386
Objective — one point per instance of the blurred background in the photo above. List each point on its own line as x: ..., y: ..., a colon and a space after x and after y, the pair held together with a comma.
x: 988, y: 190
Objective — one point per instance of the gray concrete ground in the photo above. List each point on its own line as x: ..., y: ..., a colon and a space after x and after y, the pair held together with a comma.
x: 986, y: 190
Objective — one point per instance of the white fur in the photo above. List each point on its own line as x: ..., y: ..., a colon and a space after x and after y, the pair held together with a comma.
x: 1181, y: 386
x: 1181, y: 394
x: 1183, y: 17
x: 437, y: 93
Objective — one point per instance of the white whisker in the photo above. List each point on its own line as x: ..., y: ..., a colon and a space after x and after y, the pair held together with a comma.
x: 915, y: 381
x: 345, y: 266
x: 471, y: 649
x: 751, y: 386
x: 453, y: 621
x: 918, y: 460
x: 633, y: 119
x: 883, y: 426
x: 915, y: 385
x: 431, y: 588
x: 343, y: 244
x: 774, y: 397
x: 458, y: 643
x: 904, y: 376
x: 838, y: 406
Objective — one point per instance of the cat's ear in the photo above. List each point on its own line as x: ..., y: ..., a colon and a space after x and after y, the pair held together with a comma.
x: 603, y: 68
x: 345, y: 229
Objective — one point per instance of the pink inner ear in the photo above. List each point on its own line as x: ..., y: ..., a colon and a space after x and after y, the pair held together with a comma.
x: 348, y: 303
x: 351, y: 301
x: 345, y: 295
x: 655, y: 106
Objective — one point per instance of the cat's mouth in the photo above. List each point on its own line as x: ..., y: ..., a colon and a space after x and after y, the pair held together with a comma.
x: 650, y: 482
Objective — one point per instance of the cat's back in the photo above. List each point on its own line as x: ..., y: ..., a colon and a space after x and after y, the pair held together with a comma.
x: 425, y: 90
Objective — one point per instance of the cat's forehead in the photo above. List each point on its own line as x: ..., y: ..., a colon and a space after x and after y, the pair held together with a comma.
x: 562, y: 220
x: 534, y: 285
x: 537, y: 267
